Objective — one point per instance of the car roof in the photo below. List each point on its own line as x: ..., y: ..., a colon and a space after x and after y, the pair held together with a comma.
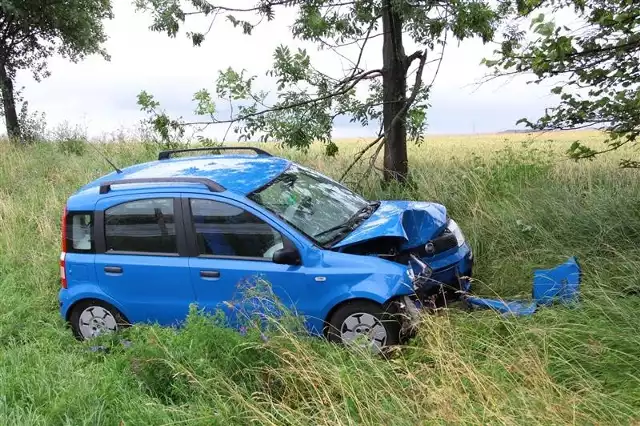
x: 237, y: 173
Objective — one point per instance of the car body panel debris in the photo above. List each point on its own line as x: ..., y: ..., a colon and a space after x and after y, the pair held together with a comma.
x: 560, y: 284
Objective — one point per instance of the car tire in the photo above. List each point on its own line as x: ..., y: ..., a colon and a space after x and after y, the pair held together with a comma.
x: 90, y: 318
x: 364, y: 319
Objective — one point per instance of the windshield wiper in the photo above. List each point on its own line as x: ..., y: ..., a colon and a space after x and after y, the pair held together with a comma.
x: 363, y: 213
x: 347, y: 226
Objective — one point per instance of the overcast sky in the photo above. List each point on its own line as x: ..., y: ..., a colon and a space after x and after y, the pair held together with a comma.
x: 101, y: 96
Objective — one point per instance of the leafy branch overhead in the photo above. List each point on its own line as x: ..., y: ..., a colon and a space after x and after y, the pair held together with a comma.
x: 307, y: 101
x: 31, y: 31
x: 594, y: 63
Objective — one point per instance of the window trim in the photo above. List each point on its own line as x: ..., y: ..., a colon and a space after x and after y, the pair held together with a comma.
x: 225, y: 257
x: 190, y: 231
x: 101, y: 237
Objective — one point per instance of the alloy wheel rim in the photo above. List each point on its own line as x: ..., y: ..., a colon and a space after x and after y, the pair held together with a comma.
x: 365, y: 329
x: 95, y: 321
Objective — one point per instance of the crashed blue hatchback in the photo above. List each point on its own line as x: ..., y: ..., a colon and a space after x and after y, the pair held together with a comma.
x: 141, y: 245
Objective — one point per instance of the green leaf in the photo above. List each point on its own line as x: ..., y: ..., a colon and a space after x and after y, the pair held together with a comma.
x: 306, y: 101
x: 537, y: 20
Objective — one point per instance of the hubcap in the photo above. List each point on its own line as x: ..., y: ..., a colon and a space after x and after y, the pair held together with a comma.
x: 365, y: 328
x: 96, y: 320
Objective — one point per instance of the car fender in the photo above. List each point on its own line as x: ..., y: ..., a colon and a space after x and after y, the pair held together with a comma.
x: 69, y: 297
x: 378, y: 288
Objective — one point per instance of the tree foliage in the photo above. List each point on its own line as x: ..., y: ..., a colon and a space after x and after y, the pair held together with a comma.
x: 307, y: 100
x: 594, y: 63
x: 31, y: 31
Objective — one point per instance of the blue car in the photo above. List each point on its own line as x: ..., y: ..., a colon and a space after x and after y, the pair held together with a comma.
x: 141, y: 245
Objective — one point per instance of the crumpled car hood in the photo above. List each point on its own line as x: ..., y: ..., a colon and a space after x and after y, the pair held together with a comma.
x: 416, y: 222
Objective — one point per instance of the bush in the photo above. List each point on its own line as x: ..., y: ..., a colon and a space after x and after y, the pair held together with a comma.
x: 70, y: 140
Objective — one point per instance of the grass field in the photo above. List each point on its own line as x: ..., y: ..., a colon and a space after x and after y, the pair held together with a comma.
x: 522, y: 206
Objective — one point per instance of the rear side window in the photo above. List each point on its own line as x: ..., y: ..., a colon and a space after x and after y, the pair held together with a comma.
x: 144, y: 226
x: 80, y: 233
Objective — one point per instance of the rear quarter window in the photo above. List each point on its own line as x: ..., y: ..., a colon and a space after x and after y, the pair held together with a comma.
x: 80, y: 232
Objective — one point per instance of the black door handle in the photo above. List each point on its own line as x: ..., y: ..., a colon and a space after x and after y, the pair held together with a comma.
x: 113, y: 269
x: 210, y: 274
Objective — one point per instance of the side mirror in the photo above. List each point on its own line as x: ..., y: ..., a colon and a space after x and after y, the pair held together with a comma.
x: 287, y: 256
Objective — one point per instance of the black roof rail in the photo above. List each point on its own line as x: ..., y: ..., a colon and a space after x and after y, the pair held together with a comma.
x: 164, y: 155
x: 213, y: 186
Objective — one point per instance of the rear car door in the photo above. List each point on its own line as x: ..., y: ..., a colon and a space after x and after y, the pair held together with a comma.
x: 141, y: 258
x: 231, y: 257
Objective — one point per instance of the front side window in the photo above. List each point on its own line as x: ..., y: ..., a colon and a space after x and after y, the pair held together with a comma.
x: 146, y: 226
x: 225, y: 230
x: 312, y: 203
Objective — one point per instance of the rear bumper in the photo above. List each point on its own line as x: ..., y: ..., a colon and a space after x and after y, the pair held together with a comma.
x: 63, y: 302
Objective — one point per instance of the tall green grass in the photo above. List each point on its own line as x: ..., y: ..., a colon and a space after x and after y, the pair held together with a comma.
x: 521, y: 206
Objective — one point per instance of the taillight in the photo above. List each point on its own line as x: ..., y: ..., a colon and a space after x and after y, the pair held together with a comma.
x: 63, y: 254
x: 63, y: 275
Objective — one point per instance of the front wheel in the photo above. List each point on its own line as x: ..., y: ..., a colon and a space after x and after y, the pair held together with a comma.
x: 365, y: 324
x: 92, y: 318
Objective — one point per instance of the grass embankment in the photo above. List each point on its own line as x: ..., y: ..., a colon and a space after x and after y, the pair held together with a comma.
x: 521, y: 207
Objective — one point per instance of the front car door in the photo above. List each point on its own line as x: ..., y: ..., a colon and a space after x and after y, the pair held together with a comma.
x: 231, y: 257
x: 141, y: 258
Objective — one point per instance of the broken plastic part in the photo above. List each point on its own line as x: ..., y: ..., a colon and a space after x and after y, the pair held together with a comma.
x: 410, y: 314
x: 506, y: 307
x: 558, y: 284
x: 561, y: 283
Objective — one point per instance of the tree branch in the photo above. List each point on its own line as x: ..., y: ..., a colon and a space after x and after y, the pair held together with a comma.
x: 349, y: 43
x: 372, y: 163
x: 406, y: 106
x: 415, y: 55
x: 356, y: 65
x: 354, y: 82
x: 260, y: 7
x: 359, y: 156
x: 366, y: 75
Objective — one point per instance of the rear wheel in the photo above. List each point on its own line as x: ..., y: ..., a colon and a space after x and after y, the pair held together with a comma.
x: 92, y: 318
x: 365, y: 324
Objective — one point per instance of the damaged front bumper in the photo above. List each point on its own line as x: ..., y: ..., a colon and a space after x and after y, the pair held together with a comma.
x: 444, y: 277
x: 433, y: 287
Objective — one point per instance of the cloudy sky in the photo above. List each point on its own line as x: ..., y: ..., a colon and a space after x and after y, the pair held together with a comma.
x: 100, y: 96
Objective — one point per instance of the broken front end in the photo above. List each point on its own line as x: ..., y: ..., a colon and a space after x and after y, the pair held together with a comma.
x: 440, y: 268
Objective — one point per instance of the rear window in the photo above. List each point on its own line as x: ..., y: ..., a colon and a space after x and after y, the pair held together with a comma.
x: 80, y: 233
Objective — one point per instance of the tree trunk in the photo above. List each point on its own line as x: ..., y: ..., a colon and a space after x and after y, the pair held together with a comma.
x: 9, y: 104
x: 394, y: 88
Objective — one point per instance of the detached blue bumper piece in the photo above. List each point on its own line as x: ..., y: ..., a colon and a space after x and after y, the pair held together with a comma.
x: 559, y: 284
x: 513, y: 307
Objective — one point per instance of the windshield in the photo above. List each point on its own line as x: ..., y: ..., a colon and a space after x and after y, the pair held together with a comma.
x: 314, y: 204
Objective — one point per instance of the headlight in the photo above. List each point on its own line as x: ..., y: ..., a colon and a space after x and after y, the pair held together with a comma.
x: 453, y: 227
